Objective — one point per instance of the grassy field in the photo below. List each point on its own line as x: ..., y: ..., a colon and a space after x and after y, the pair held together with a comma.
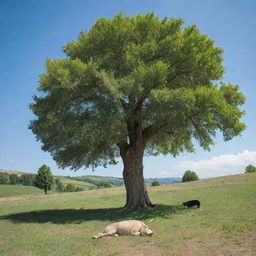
x: 62, y: 224
x: 14, y: 190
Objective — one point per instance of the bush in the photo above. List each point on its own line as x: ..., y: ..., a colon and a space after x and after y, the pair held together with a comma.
x: 155, y: 183
x: 27, y: 179
x: 78, y: 189
x: 70, y: 187
x: 250, y: 168
x: 104, y: 185
x: 59, y: 185
x: 189, y: 176
x: 4, y: 178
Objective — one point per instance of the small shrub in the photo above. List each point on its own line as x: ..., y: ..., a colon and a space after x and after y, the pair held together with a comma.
x: 104, y: 185
x: 78, y: 189
x: 70, y: 187
x: 155, y: 183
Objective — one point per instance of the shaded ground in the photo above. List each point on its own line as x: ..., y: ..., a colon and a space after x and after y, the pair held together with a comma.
x: 63, y: 216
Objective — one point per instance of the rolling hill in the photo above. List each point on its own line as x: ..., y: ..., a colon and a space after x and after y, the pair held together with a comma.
x: 87, y: 181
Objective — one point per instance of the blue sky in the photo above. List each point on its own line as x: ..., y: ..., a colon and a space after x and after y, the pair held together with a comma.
x: 32, y: 30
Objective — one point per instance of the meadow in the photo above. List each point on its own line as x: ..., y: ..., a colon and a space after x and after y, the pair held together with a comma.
x: 62, y: 224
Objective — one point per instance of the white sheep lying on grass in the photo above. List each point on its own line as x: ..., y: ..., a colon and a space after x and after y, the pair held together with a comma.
x: 127, y: 227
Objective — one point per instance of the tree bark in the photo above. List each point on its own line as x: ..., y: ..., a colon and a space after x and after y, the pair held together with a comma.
x: 136, y: 192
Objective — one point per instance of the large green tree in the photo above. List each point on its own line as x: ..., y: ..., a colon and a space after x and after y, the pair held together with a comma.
x: 131, y: 86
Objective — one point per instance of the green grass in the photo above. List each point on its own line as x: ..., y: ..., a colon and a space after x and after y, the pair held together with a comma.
x: 62, y: 224
x: 15, y: 190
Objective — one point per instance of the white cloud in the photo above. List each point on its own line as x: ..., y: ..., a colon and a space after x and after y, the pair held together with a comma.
x: 221, y: 165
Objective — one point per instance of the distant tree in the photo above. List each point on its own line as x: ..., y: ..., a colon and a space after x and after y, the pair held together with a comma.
x: 44, y: 178
x: 14, y: 179
x: 70, y: 187
x: 4, y: 178
x: 250, y: 168
x: 27, y: 179
x: 189, y: 176
x: 130, y: 86
x: 92, y: 187
x: 155, y: 183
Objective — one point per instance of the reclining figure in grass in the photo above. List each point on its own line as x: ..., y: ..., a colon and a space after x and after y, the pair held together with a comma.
x: 127, y: 227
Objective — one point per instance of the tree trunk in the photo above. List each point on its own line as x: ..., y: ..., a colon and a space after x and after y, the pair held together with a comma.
x: 45, y: 190
x: 136, y: 192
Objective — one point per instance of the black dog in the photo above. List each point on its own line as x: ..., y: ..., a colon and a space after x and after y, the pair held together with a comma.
x: 192, y: 203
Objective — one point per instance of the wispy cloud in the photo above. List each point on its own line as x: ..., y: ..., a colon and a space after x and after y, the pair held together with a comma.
x: 221, y: 165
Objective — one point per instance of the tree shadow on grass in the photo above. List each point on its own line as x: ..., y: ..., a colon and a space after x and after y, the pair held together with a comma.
x: 76, y: 216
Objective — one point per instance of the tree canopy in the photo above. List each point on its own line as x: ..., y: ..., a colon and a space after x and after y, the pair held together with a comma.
x: 250, y: 168
x: 131, y: 85
x: 44, y: 178
x: 189, y: 176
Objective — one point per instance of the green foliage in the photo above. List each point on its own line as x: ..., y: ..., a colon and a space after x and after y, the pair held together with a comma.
x: 155, y: 183
x: 14, y: 179
x: 189, y: 176
x: 78, y: 189
x: 250, y: 168
x: 27, y: 179
x: 4, y: 178
x: 104, y: 185
x: 59, y: 185
x: 154, y: 81
x: 44, y: 178
x: 70, y: 187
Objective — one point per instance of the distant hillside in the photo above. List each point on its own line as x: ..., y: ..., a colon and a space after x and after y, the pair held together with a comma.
x: 119, y: 181
x: 93, y: 180
x: 99, y: 179
x: 13, y: 172
x: 18, y: 190
x: 163, y: 181
x: 78, y: 183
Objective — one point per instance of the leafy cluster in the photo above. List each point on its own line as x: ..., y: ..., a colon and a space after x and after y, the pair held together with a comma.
x: 155, y: 183
x: 250, y: 168
x: 189, y: 176
x: 44, y: 178
x: 13, y: 179
x: 134, y: 80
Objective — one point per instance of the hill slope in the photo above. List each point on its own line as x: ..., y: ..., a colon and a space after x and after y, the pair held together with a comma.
x: 15, y: 190
x: 225, y: 224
